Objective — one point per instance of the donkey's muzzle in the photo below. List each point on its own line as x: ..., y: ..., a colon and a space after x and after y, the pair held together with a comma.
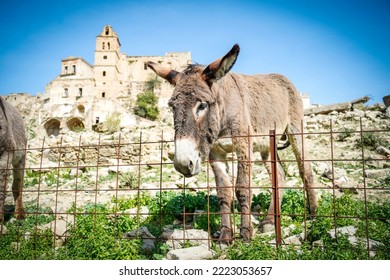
x: 187, y: 158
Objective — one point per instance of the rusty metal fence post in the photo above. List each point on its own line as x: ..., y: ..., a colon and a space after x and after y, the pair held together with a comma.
x: 275, y: 190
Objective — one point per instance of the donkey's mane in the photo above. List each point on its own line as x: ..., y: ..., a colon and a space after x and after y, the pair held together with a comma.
x: 192, y: 69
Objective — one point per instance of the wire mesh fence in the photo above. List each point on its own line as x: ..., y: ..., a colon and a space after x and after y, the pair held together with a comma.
x: 118, y: 199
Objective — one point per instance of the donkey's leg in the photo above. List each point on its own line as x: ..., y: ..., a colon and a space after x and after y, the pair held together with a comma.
x: 224, y: 192
x: 244, y: 196
x: 4, y: 172
x: 305, y: 170
x: 243, y: 184
x: 268, y: 223
x: 18, y: 163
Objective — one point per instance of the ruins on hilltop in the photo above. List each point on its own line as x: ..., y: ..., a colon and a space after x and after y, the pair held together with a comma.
x: 85, y: 94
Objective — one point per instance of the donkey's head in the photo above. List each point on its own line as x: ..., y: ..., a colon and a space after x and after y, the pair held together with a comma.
x: 195, y: 109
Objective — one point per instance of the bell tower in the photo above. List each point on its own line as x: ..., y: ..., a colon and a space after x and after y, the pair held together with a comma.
x: 107, y: 58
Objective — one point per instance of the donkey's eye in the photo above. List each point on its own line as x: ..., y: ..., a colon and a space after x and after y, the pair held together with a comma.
x: 202, y: 106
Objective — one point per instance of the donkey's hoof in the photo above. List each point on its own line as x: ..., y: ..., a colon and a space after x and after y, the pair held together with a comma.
x: 226, y: 236
x: 246, y: 234
x: 20, y: 214
x: 267, y: 226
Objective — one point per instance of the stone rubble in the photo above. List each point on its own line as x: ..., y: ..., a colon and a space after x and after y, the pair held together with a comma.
x: 121, y: 153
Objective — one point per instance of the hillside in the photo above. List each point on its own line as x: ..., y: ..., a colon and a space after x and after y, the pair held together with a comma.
x: 349, y: 150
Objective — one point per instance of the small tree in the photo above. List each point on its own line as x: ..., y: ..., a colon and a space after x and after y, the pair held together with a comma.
x: 146, y: 104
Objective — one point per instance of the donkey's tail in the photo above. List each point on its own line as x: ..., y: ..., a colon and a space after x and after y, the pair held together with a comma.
x: 283, y: 142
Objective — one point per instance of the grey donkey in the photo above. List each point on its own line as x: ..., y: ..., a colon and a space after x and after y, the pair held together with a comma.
x: 12, y: 152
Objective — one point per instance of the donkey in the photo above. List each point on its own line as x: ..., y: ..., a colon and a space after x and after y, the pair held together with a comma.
x: 12, y: 151
x: 208, y: 104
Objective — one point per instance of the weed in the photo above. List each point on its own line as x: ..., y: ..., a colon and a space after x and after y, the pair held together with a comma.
x: 344, y: 134
x: 128, y: 180
x: 371, y: 140
x: 98, y: 231
x: 112, y: 122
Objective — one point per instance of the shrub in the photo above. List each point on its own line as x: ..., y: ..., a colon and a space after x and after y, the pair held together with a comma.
x: 146, y: 106
x: 371, y: 140
x: 113, y: 122
x: 344, y: 134
x: 128, y: 180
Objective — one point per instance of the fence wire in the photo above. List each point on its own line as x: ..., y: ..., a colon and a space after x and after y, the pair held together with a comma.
x: 121, y: 180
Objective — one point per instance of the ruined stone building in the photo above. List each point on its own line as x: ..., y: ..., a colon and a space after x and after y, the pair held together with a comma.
x: 85, y: 94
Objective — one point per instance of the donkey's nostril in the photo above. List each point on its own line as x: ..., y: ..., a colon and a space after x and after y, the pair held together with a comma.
x: 190, y: 165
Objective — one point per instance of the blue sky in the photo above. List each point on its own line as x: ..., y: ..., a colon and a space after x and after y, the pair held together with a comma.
x: 333, y: 50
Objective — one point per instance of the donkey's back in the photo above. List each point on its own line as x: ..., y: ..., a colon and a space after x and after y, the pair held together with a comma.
x: 271, y: 100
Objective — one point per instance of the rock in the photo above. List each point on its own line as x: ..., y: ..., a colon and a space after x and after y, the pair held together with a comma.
x: 338, y: 173
x: 386, y: 100
x: 383, y: 151
x: 3, y: 230
x: 147, y: 239
x: 177, y: 238
x: 200, y: 252
x: 150, y: 188
x: 312, y: 127
x: 60, y: 226
x: 318, y: 243
x: 75, y: 172
x: 349, y: 230
x: 294, y: 239
x: 328, y: 108
x: 292, y: 171
x: 376, y: 173
x: 373, y: 115
x: 342, y: 181
x: 143, y: 212
x: 387, y: 112
x: 181, y: 183
x: 267, y: 229
x: 356, y: 113
x: 320, y: 167
x: 120, y: 167
x: 344, y: 184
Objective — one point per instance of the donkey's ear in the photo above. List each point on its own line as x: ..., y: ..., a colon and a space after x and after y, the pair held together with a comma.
x: 220, y: 67
x: 163, y: 72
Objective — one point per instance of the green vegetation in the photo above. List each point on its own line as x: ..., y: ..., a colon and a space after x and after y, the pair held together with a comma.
x: 113, y: 122
x: 349, y: 211
x: 344, y: 134
x: 371, y: 140
x: 98, y: 231
x: 146, y: 105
